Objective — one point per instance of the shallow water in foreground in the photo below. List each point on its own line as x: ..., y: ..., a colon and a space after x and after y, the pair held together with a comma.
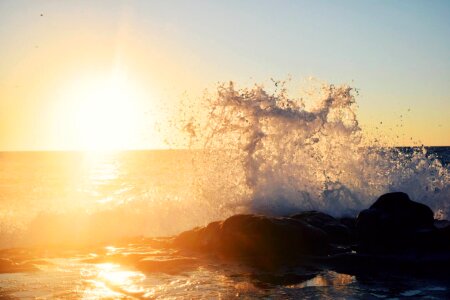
x: 103, y: 273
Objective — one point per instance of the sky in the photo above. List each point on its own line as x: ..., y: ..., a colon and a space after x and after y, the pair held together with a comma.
x: 58, y: 57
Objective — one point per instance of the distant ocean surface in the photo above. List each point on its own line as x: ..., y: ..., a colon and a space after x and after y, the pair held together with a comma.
x: 442, y: 153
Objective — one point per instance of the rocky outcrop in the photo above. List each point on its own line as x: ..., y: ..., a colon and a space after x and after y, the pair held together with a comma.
x: 393, y: 229
x: 337, y: 232
x: 261, y: 240
x: 395, y: 223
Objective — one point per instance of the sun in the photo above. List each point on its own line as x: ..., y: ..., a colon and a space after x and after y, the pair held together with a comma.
x: 104, y: 112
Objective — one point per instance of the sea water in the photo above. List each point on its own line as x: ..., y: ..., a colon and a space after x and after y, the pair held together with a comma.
x: 249, y: 151
x: 138, y: 193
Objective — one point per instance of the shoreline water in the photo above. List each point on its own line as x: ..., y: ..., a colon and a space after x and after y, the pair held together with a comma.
x: 147, y: 268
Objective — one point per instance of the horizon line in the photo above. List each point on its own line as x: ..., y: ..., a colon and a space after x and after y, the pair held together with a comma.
x: 169, y: 149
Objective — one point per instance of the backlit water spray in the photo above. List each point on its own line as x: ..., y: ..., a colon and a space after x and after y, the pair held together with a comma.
x: 264, y: 152
x: 252, y: 150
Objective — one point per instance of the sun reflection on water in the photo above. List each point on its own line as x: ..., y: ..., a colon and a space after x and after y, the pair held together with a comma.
x: 109, y: 280
x: 102, y: 175
x: 101, y: 165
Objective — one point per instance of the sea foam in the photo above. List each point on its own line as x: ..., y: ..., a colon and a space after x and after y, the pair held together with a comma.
x: 264, y: 152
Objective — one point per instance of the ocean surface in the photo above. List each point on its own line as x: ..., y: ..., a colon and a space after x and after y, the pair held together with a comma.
x: 78, y: 206
x: 150, y: 193
x: 82, y: 225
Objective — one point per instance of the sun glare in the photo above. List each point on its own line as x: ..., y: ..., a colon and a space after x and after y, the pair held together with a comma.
x: 105, y: 113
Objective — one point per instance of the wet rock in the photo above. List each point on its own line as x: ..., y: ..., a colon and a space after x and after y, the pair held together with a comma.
x: 433, y: 264
x: 350, y: 223
x: 337, y: 232
x: 394, y: 223
x: 444, y: 237
x: 441, y: 224
x: 265, y: 241
x: 394, y: 230
x: 200, y: 238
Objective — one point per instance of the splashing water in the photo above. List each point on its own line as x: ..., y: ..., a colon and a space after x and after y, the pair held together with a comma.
x: 266, y: 153
x: 251, y: 151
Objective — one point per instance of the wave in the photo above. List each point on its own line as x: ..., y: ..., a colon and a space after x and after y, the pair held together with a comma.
x: 254, y: 150
x: 273, y: 155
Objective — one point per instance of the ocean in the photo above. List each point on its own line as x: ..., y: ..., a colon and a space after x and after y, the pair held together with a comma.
x: 77, y: 205
x: 92, y: 225
x: 143, y: 191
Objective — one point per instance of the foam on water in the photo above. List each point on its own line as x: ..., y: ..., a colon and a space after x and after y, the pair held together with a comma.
x: 273, y: 155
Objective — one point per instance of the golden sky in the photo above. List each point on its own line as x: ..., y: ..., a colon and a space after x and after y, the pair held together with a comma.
x: 108, y: 74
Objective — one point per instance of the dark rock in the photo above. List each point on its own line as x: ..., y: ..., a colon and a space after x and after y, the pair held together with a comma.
x: 349, y: 222
x: 265, y: 241
x: 407, y: 213
x: 434, y: 264
x: 314, y: 218
x: 337, y: 232
x: 394, y: 223
x: 444, y: 237
x: 441, y: 224
x: 393, y: 231
x: 200, y: 238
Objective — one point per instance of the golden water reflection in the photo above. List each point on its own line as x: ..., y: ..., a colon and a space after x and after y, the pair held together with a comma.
x: 102, y: 173
x: 102, y: 166
x: 329, y: 278
x: 109, y: 280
